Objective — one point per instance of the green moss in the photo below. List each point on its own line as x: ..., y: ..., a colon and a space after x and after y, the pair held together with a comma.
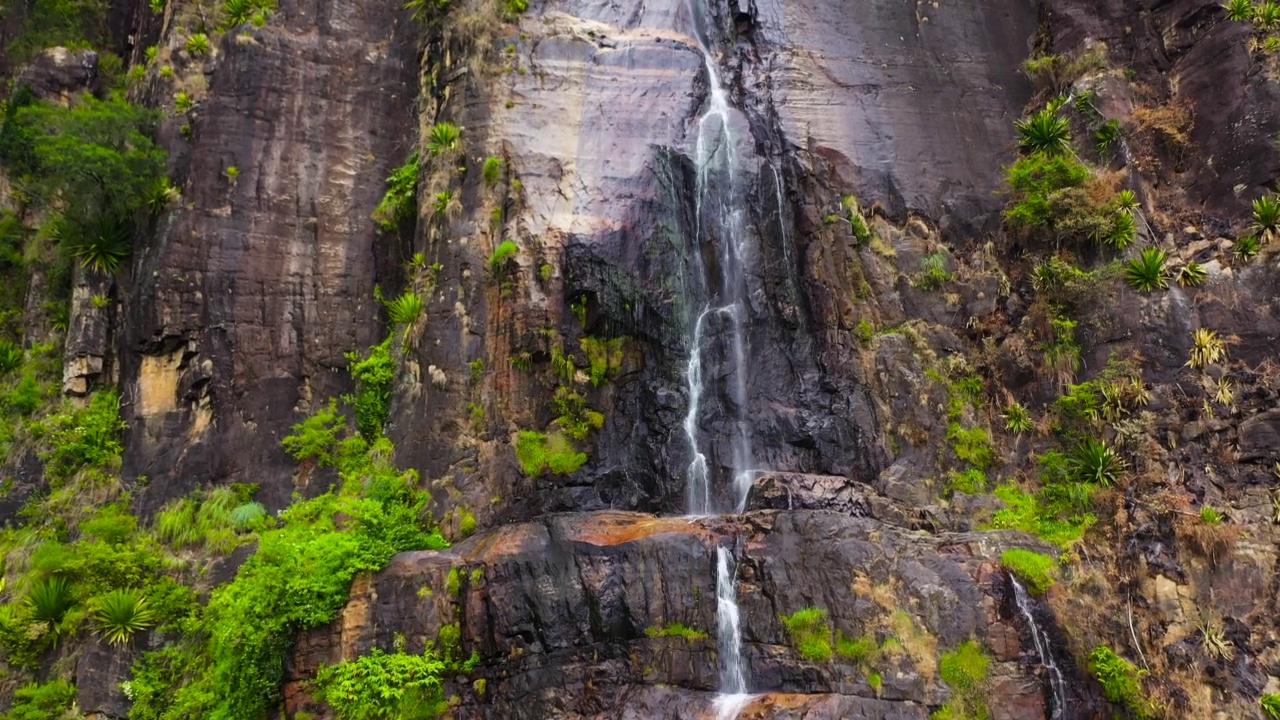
x: 856, y: 650
x: 466, y: 522
x: 501, y: 257
x: 874, y: 680
x: 810, y: 633
x: 536, y: 452
x: 604, y: 356
x: 971, y: 445
x: 964, y: 669
x: 1036, y: 570
x: 969, y: 481
x: 453, y: 581
x: 675, y: 630
x: 1025, y: 511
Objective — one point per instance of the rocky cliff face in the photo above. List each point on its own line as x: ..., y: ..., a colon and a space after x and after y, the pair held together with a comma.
x: 234, y: 318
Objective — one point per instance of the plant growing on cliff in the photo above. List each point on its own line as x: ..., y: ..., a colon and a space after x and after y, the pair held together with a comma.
x: 1036, y: 570
x: 1016, y: 418
x: 36, y: 701
x: 933, y: 272
x: 443, y: 137
x: 1044, y: 132
x: 405, y: 309
x: 964, y: 669
x: 197, y: 44
x: 501, y: 258
x: 400, y: 202
x: 492, y: 171
x: 537, y: 452
x: 49, y: 601
x: 676, y: 630
x: 1270, y: 705
x: 810, y: 633
x: 1191, y: 274
x: 121, y: 613
x: 313, y: 440
x: 1147, y: 271
x: 1246, y: 248
x: 1266, y: 15
x: 382, y: 686
x: 371, y: 402
x: 1120, y: 681
x: 1206, y: 348
x: 1239, y: 10
x: 1093, y: 462
x: 1266, y: 217
x: 102, y: 246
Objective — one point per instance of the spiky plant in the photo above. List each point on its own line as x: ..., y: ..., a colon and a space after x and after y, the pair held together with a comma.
x: 404, y: 309
x: 248, y: 515
x: 1044, y: 132
x: 1191, y: 274
x: 1126, y: 201
x: 1121, y: 232
x: 10, y: 356
x: 1239, y: 10
x: 236, y: 12
x: 446, y: 204
x: 1271, y: 705
x: 49, y: 600
x: 1206, y: 348
x: 1107, y: 135
x: 198, y: 44
x: 1224, y: 394
x: 103, y: 246
x: 1247, y: 248
x: 1147, y: 272
x: 443, y: 137
x: 161, y: 195
x: 1266, y: 16
x: 1209, y: 515
x: 1093, y: 462
x: 492, y: 170
x: 1016, y: 418
x: 121, y: 613
x: 1266, y: 217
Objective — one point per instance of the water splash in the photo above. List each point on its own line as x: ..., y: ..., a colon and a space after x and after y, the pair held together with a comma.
x: 1057, y: 683
x: 719, y: 332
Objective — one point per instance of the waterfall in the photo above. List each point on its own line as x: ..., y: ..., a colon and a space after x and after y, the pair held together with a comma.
x: 1057, y: 684
x: 718, y: 333
x: 733, y: 673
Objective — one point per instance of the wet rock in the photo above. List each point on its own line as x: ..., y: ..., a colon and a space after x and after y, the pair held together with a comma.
x: 796, y: 491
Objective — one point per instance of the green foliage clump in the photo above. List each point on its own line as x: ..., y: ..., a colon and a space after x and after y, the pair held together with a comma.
x: 1045, y: 132
x: 36, y: 701
x: 405, y: 309
x: 1093, y: 462
x: 1147, y: 272
x: 10, y: 356
x: 371, y: 402
x: 1192, y: 274
x: 384, y: 686
x: 502, y: 255
x: 970, y: 445
x: 68, y: 23
x: 537, y: 452
x: 1270, y: 705
x: 933, y: 272
x: 209, y: 519
x: 1239, y: 10
x: 1121, y: 681
x: 856, y: 650
x: 1043, y: 514
x: 400, y: 202
x: 1036, y: 570
x: 466, y: 522
x: 197, y: 44
x: 971, y: 481
x: 1266, y: 215
x: 964, y: 669
x: 1038, y: 183
x: 49, y: 601
x: 492, y: 170
x: 79, y: 438
x: 810, y: 633
x: 121, y: 613
x: 443, y: 138
x: 1210, y: 515
x: 675, y: 629
x: 1016, y: 418
x: 604, y: 356
x: 314, y: 439
x: 239, y: 12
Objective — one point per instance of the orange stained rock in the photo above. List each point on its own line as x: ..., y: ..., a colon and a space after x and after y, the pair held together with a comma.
x: 616, y: 528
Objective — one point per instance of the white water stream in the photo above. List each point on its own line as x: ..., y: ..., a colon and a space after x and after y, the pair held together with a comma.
x: 1057, y: 683
x: 733, y: 672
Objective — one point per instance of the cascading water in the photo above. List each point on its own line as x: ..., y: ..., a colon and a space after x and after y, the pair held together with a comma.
x: 733, y: 673
x: 1057, y: 683
x: 718, y: 333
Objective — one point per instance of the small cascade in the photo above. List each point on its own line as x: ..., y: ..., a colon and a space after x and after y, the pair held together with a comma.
x: 733, y: 672
x: 1057, y: 683
x: 718, y: 337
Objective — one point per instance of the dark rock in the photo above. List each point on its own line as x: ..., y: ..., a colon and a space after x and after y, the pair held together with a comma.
x: 1260, y: 436
x: 57, y: 73
x: 796, y: 491
x: 100, y: 669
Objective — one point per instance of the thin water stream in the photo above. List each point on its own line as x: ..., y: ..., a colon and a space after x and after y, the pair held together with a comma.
x: 1057, y: 683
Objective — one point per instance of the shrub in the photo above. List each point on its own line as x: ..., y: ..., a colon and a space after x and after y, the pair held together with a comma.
x: 810, y: 634
x: 1036, y: 182
x: 400, y: 202
x: 515, y: 7
x: 1206, y: 348
x: 969, y: 481
x: 36, y: 701
x: 197, y: 44
x: 537, y: 451
x: 315, y: 438
x: 84, y: 437
x: 405, y: 309
x: 1093, y: 462
x: 1035, y: 570
x: 501, y: 257
x: 443, y: 138
x: 675, y: 630
x: 1121, y: 231
x: 492, y: 171
x: 1120, y: 681
x: 371, y: 402
x: 1147, y: 272
x: 381, y: 686
x: 603, y: 356
x: 10, y: 356
x: 121, y: 613
x: 1191, y: 274
x: 1045, y: 132
x: 182, y: 101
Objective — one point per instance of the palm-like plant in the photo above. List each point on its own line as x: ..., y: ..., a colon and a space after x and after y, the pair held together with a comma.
x: 198, y: 44
x: 1247, y: 248
x: 1271, y: 705
x: 1147, y: 272
x: 1121, y: 232
x: 1240, y: 10
x: 1266, y: 217
x: 49, y: 600
x: 236, y: 12
x: 103, y: 246
x: 1107, y: 134
x: 1191, y: 274
x: 1267, y: 15
x: 1016, y: 418
x: 405, y: 309
x: 443, y: 137
x: 1125, y: 200
x: 1044, y: 132
x: 10, y: 356
x: 1093, y: 462
x: 121, y: 613
x: 1206, y: 348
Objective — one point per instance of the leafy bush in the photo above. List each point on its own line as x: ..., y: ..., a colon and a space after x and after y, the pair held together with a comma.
x: 373, y: 374
x: 315, y: 438
x: 1035, y: 570
x: 1106, y: 136
x: 1147, y: 272
x: 183, y: 102
x: 443, y: 138
x: 405, y: 309
x: 1044, y: 514
x: 675, y: 630
x: 1120, y: 681
x: 36, y: 701
x: 1044, y: 132
x: 502, y: 255
x: 83, y: 437
x: 381, y: 686
x: 400, y: 202
x: 969, y: 481
x: 1093, y: 462
x: 810, y: 634
x: 537, y: 451
x: 492, y: 171
x: 121, y: 613
x: 1037, y: 182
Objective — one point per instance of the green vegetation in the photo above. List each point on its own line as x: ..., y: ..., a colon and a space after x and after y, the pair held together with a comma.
x: 197, y: 44
x: 603, y: 356
x: 502, y: 256
x: 856, y: 650
x: 1191, y: 274
x: 182, y: 102
x: 1247, y: 248
x: 971, y: 445
x: 1270, y: 705
x: 1016, y: 418
x: 1210, y: 515
x: 1036, y: 570
x: 443, y: 138
x: 1239, y: 10
x: 971, y: 481
x: 400, y: 202
x: 1147, y: 271
x: 573, y: 417
x: 857, y: 221
x: 313, y: 439
x: 42, y: 701
x: 1120, y: 681
x: 371, y: 402
x: 1266, y: 214
x: 537, y: 452
x: 1044, y: 132
x: 238, y: 12
x: 964, y: 669
x: 933, y: 272
x: 405, y: 309
x: 121, y: 613
x: 382, y: 686
x: 1093, y: 462
x: 675, y: 630
x: 492, y: 171
x: 1206, y: 348
x: 810, y: 633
